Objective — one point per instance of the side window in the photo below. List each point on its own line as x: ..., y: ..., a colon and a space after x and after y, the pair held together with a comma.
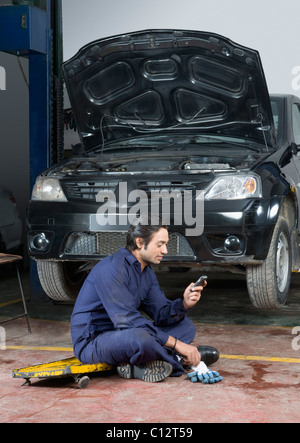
x: 296, y: 123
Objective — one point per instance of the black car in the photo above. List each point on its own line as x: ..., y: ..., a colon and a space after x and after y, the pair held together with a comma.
x: 178, y: 124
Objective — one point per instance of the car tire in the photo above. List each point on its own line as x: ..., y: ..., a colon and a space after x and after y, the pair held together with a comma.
x: 268, y: 284
x: 61, y: 281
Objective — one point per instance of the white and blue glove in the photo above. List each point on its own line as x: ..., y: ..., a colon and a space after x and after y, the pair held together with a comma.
x: 204, y: 375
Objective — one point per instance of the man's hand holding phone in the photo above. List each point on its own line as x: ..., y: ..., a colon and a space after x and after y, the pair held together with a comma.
x: 192, y: 294
x: 200, y: 282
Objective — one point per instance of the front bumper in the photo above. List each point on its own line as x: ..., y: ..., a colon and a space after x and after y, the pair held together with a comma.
x: 236, y: 233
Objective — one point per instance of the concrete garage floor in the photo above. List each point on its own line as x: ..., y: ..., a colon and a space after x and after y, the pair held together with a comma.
x: 260, y: 363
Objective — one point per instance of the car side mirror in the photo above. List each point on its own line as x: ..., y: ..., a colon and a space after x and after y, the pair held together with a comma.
x: 295, y: 148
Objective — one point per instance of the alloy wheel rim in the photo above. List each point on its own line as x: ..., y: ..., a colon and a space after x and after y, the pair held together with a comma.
x: 282, y: 262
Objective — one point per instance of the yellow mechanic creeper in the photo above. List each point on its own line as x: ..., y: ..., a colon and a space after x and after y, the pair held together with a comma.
x: 62, y: 368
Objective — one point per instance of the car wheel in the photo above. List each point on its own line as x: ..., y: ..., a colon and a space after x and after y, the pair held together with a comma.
x: 268, y: 284
x: 61, y: 280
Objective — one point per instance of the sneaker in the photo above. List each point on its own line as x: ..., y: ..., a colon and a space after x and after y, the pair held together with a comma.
x: 152, y: 371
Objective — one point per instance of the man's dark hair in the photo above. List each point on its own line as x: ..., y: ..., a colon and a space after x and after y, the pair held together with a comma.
x: 144, y: 231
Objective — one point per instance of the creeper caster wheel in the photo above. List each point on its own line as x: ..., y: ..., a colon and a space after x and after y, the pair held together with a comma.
x: 82, y: 382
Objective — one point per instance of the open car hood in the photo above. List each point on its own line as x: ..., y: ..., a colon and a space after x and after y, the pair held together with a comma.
x: 166, y: 81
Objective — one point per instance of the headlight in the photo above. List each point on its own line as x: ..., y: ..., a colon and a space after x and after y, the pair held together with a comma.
x: 48, y: 189
x: 234, y: 187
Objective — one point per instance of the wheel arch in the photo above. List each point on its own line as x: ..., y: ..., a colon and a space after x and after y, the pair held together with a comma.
x: 287, y: 207
x: 290, y: 211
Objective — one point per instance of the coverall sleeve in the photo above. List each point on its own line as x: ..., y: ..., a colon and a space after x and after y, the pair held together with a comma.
x: 121, y: 305
x: 163, y: 311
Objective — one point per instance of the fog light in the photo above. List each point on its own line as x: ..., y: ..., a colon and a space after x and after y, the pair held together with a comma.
x: 40, y: 241
x: 232, y: 244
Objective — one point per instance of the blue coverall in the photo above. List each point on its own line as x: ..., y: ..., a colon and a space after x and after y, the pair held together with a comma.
x: 107, y: 326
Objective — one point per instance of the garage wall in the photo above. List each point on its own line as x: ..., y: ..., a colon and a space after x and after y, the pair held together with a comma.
x: 272, y: 27
x: 14, y: 130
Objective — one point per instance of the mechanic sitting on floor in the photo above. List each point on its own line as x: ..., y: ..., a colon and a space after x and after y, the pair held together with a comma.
x: 107, y: 326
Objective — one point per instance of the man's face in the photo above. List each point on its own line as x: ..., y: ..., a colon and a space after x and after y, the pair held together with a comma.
x: 156, y: 248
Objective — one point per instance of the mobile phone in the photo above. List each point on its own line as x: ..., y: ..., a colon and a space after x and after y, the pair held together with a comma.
x: 199, y: 281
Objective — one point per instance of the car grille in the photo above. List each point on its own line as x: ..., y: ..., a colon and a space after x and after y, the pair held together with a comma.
x: 77, y: 190
x: 87, y: 190
x: 107, y: 243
